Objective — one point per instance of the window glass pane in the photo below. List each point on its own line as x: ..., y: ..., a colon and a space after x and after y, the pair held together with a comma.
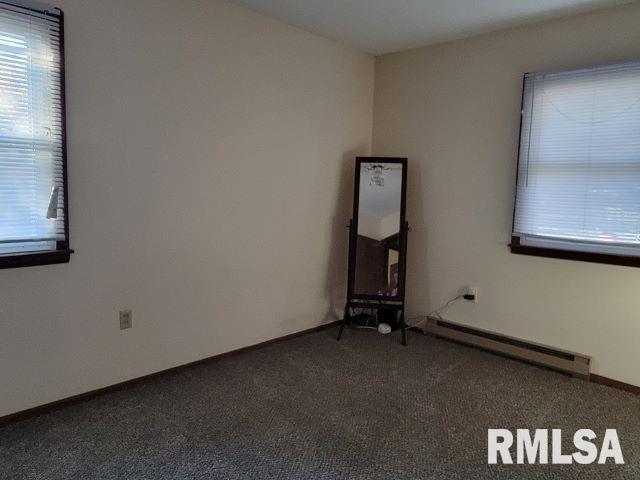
x: 31, y: 153
x: 579, y: 166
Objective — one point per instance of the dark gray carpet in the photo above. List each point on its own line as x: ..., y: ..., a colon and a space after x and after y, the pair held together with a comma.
x: 313, y: 408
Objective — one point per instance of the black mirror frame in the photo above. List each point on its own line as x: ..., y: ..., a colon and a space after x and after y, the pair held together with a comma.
x: 351, y: 294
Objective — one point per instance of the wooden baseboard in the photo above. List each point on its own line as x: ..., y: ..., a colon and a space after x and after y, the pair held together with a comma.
x: 31, y: 412
x: 609, y: 382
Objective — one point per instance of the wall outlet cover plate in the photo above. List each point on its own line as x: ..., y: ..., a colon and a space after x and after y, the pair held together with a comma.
x: 126, y: 319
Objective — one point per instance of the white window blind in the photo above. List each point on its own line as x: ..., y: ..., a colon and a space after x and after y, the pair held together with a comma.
x: 32, y: 215
x: 579, y: 167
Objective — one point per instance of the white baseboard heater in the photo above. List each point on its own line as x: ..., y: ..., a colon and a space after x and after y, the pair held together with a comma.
x: 573, y: 363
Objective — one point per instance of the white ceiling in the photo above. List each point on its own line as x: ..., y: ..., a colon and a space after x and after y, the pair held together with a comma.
x: 377, y: 201
x: 384, y: 26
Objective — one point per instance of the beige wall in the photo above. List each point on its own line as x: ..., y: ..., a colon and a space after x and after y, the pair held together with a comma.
x: 378, y: 228
x: 210, y: 162
x: 453, y: 109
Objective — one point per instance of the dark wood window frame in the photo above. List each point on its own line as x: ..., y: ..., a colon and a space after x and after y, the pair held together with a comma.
x: 63, y: 251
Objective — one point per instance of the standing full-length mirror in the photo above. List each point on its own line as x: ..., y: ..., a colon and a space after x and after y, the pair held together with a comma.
x: 378, y: 244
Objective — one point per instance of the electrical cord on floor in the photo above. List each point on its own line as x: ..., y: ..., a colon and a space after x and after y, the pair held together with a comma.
x: 435, y: 312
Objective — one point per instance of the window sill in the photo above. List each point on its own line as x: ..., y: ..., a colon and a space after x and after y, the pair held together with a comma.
x: 35, y: 259
x: 607, y: 258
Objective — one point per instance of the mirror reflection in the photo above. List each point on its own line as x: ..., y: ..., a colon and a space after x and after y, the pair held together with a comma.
x: 378, y: 235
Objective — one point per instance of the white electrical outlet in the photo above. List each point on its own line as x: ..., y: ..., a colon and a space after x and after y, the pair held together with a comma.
x: 472, y: 291
x: 126, y: 319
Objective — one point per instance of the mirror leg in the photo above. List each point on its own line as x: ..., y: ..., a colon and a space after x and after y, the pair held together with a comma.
x: 403, y: 327
x: 344, y: 323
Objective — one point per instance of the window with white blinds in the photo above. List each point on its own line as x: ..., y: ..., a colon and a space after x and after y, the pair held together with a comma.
x: 32, y: 154
x: 579, y: 166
